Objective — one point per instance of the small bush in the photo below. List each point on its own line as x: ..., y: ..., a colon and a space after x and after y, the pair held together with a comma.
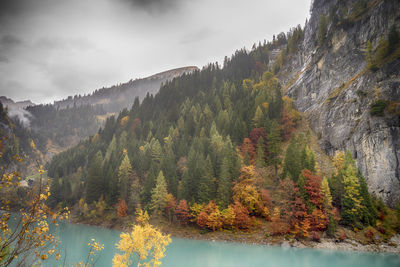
x: 369, y: 234
x: 342, y: 236
x: 378, y: 107
x: 361, y: 93
x: 382, y: 215
x: 315, y: 237
x: 332, y: 225
x: 381, y: 230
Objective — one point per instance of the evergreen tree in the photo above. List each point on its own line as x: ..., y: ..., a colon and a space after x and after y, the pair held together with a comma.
x: 134, y: 192
x: 274, y: 148
x: 326, y: 193
x: 292, y: 164
x: 369, y: 213
x: 352, y: 200
x: 156, y: 151
x: 94, y: 178
x: 111, y: 149
x: 206, y: 190
x: 307, y: 159
x: 258, y: 118
x: 225, y: 184
x: 159, y: 195
x: 322, y: 28
x: 124, y: 172
x: 260, y: 161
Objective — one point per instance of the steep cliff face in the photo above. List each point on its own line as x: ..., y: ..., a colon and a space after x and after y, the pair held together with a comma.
x: 332, y: 85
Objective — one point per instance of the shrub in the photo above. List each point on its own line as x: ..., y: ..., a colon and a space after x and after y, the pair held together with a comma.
x: 381, y: 230
x: 315, y: 237
x: 369, y: 233
x: 122, y: 208
x: 361, y: 93
x: 342, y: 236
x: 332, y: 225
x: 322, y: 29
x: 378, y: 107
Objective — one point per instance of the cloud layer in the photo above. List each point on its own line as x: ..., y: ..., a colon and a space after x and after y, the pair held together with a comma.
x: 50, y: 49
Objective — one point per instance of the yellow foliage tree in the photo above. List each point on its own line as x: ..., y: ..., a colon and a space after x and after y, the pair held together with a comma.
x: 124, y: 120
x: 144, y: 243
x: 326, y: 193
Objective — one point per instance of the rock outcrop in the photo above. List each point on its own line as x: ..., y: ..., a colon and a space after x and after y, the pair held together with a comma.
x: 333, y: 87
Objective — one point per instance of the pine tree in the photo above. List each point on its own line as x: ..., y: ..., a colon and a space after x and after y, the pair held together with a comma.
x: 112, y: 147
x: 369, y: 213
x: 206, y: 190
x: 124, y: 172
x: 225, y: 184
x: 352, y: 200
x: 258, y: 118
x: 326, y: 193
x: 322, y: 29
x: 134, y: 192
x: 94, y: 178
x: 159, y: 195
x: 260, y: 161
x: 274, y: 148
x: 307, y: 159
x: 156, y: 150
x: 292, y: 164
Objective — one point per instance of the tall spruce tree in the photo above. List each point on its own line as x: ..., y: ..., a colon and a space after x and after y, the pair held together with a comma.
x: 260, y: 161
x: 224, y: 184
x: 159, y: 195
x: 124, y: 172
x: 94, y: 178
x: 274, y: 141
x: 352, y: 200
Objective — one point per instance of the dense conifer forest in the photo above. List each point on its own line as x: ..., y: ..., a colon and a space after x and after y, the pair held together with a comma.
x: 217, y: 148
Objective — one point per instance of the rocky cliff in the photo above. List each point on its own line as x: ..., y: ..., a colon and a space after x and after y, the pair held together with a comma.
x: 331, y: 84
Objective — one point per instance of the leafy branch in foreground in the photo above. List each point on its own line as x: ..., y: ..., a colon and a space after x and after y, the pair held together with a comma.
x: 30, y: 240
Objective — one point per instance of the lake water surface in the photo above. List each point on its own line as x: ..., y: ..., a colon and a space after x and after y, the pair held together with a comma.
x: 195, y: 253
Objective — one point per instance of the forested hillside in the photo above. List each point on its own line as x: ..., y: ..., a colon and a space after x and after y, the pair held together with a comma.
x: 15, y: 144
x: 210, y: 148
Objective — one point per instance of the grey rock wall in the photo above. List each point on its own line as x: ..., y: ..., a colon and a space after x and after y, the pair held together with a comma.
x: 335, y: 92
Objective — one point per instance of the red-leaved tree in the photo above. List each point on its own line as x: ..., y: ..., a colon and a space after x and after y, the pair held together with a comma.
x: 182, y: 212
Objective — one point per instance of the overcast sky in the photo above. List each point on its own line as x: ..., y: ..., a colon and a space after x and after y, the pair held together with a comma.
x: 50, y: 49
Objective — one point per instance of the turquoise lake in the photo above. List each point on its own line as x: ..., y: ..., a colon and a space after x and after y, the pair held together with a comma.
x: 195, y: 253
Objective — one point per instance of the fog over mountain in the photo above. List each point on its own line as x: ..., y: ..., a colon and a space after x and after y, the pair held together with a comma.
x: 52, y: 49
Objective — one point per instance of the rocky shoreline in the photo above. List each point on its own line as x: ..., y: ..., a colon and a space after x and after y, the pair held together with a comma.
x: 257, y: 237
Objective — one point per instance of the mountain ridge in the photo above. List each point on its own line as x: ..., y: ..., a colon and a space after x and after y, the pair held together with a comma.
x: 124, y: 93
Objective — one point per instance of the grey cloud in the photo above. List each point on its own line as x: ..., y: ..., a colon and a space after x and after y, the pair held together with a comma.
x: 197, y: 36
x: 9, y: 40
x: 4, y: 59
x: 12, y: 8
x: 50, y: 49
x: 57, y: 43
x: 155, y: 6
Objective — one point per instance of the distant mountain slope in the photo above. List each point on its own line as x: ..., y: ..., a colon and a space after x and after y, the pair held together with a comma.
x: 66, y: 122
x: 17, y: 109
x: 118, y: 97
